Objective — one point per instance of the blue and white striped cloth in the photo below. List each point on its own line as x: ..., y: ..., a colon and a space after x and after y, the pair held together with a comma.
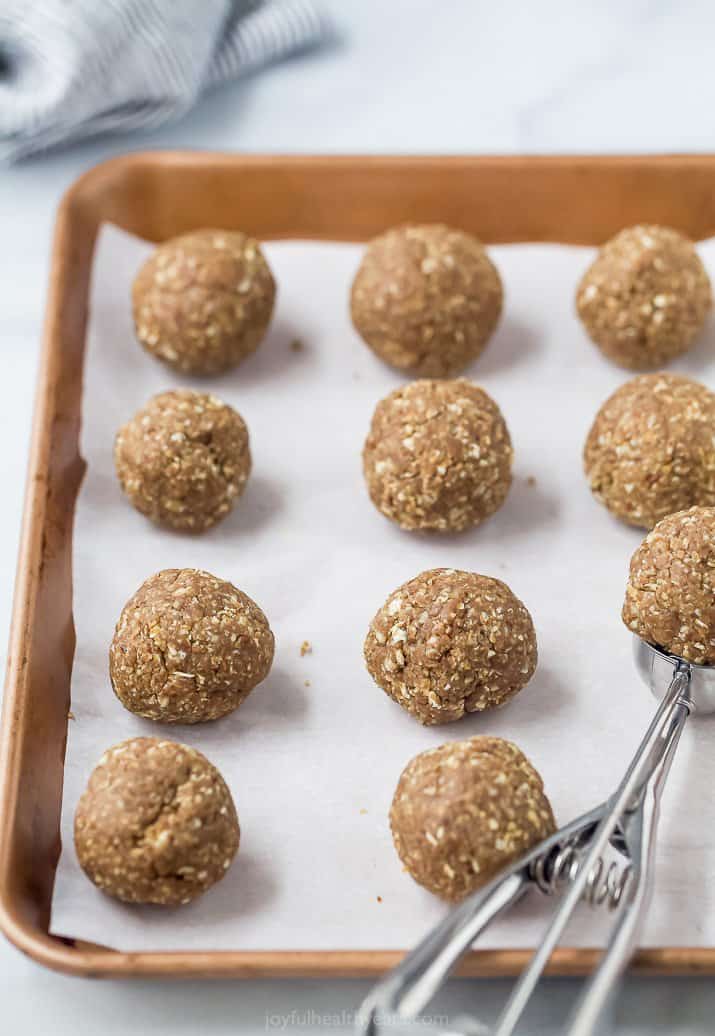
x: 71, y: 69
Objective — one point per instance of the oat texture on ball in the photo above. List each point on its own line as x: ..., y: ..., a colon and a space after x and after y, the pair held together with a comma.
x: 438, y: 456
x: 463, y: 812
x: 450, y: 642
x: 184, y: 459
x: 646, y: 297
x: 651, y: 448
x: 670, y: 595
x: 426, y: 299
x: 188, y: 647
x: 156, y: 823
x: 202, y: 302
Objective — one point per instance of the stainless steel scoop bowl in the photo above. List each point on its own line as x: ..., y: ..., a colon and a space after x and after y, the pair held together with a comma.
x: 604, y: 856
x: 657, y: 667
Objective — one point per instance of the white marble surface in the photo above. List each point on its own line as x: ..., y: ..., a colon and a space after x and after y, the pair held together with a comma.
x: 408, y: 75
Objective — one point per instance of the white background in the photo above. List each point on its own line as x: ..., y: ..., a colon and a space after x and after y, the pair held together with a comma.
x: 403, y: 76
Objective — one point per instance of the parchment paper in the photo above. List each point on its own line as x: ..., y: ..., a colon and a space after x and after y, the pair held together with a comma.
x: 313, y: 768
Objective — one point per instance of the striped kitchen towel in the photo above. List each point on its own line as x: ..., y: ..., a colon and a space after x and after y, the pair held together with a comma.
x: 71, y: 69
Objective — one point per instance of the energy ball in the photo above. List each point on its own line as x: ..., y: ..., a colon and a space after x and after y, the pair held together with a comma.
x: 202, y: 302
x: 438, y: 456
x: 183, y: 460
x: 651, y: 449
x: 450, y: 642
x: 426, y: 299
x: 646, y: 297
x: 670, y: 596
x: 156, y: 823
x: 464, y: 811
x: 188, y: 647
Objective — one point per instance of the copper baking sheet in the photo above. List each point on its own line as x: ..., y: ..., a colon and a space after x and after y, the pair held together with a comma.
x: 574, y: 200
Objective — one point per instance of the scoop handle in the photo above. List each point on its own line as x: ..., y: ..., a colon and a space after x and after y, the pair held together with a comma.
x: 626, y: 801
x: 640, y: 831
x: 411, y: 985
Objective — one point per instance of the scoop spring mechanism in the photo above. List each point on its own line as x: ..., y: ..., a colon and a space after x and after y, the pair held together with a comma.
x: 606, y: 881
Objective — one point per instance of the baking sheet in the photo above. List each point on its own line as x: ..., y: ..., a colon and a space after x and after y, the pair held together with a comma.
x: 313, y: 756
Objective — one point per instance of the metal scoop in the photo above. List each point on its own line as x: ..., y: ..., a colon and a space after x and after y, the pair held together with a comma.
x: 605, y: 856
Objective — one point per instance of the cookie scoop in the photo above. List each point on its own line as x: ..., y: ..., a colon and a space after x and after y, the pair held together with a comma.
x: 460, y: 810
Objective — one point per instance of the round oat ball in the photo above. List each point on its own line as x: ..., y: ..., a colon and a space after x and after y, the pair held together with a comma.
x: 188, y: 647
x: 426, y: 299
x: 438, y: 456
x: 464, y: 811
x: 183, y: 460
x: 651, y: 448
x: 670, y: 596
x: 156, y: 823
x: 450, y: 642
x: 646, y: 297
x: 202, y: 302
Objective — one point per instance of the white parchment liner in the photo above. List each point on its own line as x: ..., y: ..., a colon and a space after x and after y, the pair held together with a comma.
x: 313, y: 768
